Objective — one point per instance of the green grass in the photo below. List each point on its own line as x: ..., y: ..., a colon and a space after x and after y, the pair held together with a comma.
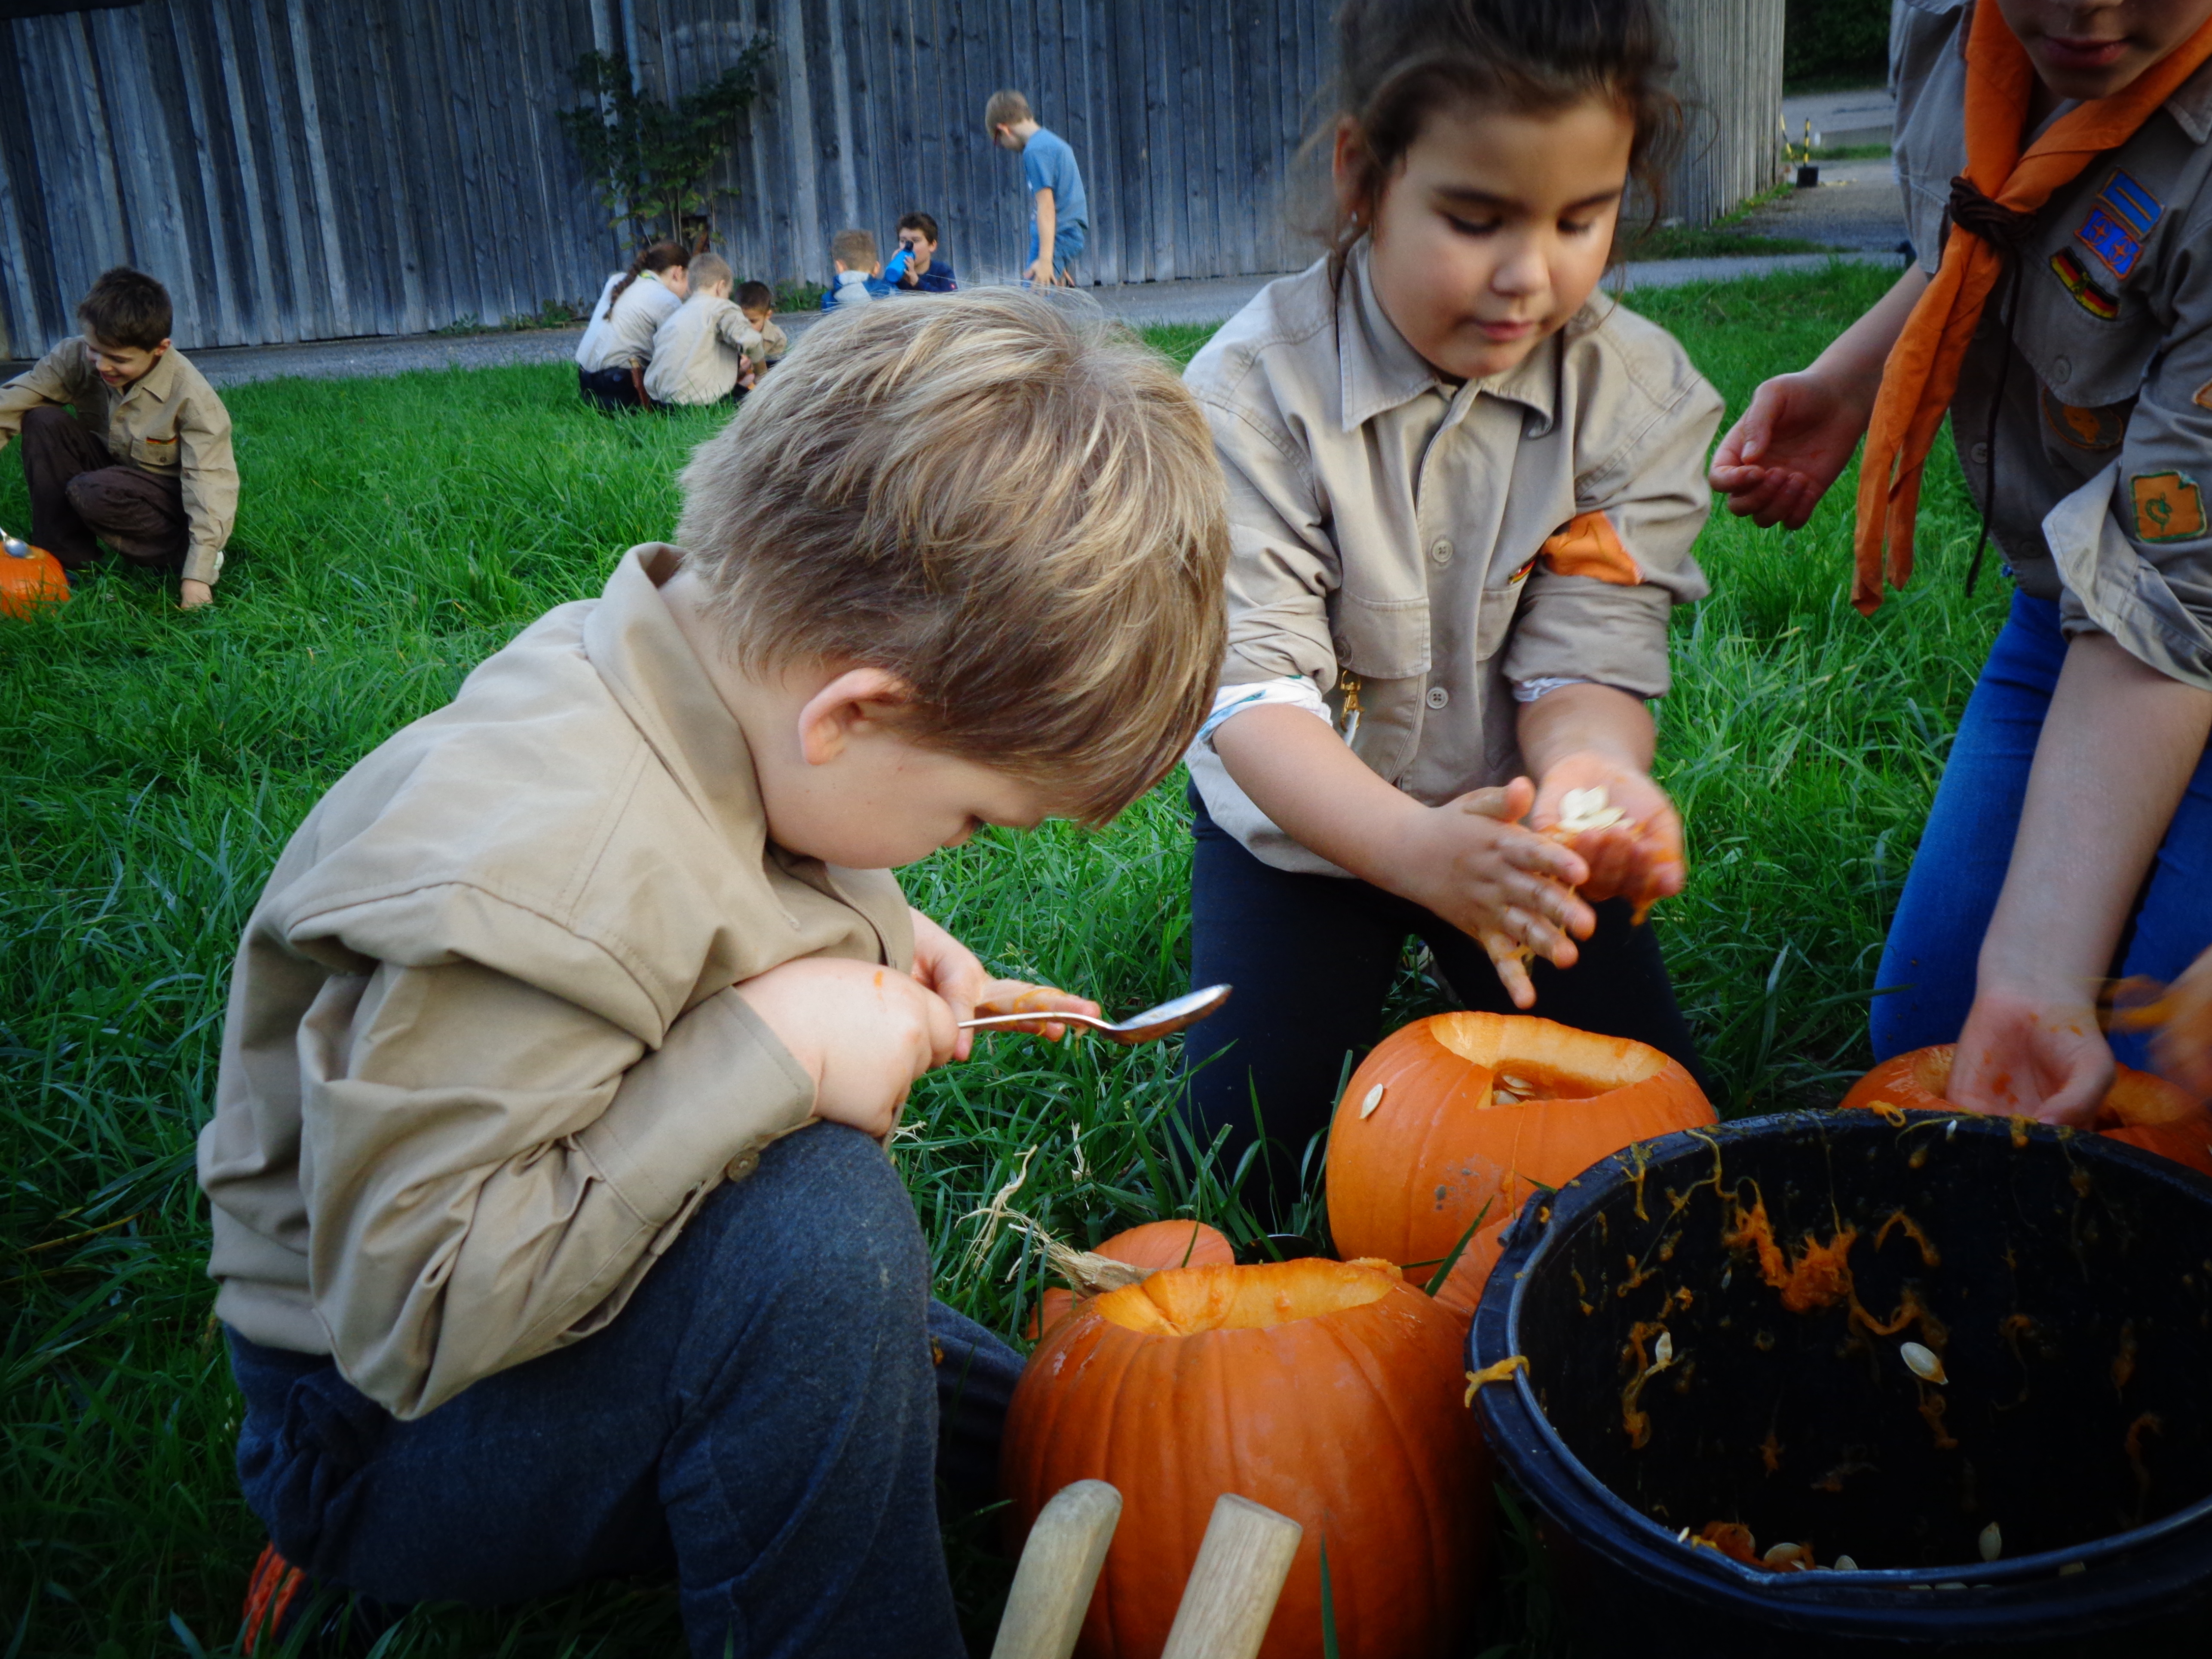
x: 395, y: 532
x: 1712, y: 242
x: 1850, y: 152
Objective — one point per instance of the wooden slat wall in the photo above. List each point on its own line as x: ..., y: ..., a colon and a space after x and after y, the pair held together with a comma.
x: 316, y: 169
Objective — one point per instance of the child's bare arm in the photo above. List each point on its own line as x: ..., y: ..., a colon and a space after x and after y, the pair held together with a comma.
x: 2114, y: 759
x: 1778, y: 460
x: 1468, y: 860
x: 862, y: 1031
x: 1048, y: 226
x: 1594, y: 737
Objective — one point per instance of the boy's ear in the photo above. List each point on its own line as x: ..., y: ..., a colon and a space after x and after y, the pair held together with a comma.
x: 830, y: 718
x: 159, y: 349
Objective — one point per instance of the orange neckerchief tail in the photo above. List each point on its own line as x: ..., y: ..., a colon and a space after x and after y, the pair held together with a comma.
x: 1922, y: 370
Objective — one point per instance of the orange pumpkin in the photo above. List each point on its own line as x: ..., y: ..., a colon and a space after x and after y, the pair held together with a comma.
x: 1463, y: 1286
x: 1155, y: 1244
x: 1329, y: 1391
x: 1460, y: 1111
x: 30, y: 580
x: 2140, y: 1109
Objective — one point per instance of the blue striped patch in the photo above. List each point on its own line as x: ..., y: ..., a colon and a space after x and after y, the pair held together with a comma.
x: 2131, y: 204
x: 2104, y: 236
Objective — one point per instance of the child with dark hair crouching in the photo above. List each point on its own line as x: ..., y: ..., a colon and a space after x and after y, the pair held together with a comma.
x: 573, y: 1019
x: 160, y: 486
x: 757, y: 301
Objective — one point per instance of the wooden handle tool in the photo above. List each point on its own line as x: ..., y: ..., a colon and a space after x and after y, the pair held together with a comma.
x: 1058, y: 1570
x: 1234, y: 1585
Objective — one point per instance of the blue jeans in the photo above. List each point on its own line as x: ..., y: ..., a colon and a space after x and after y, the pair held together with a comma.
x: 1952, y: 890
x: 766, y: 1417
x: 1066, y: 243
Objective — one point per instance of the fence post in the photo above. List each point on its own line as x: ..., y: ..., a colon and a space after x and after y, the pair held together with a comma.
x: 1730, y: 85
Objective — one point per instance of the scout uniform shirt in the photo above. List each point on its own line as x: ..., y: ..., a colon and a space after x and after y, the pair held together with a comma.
x: 697, y: 353
x: 2103, y: 446
x: 482, y: 1059
x: 167, y: 423
x: 1405, y: 552
x: 637, y: 313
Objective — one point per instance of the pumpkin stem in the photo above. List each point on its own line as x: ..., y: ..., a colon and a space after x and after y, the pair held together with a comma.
x: 1088, y: 1272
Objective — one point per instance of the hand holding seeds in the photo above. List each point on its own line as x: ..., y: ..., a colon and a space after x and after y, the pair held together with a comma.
x: 1618, y: 822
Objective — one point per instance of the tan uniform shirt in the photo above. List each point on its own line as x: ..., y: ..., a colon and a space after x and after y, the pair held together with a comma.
x: 167, y: 423
x: 698, y: 350
x: 638, y: 314
x: 1386, y: 527
x: 774, y: 343
x: 482, y: 1059
x: 2103, y: 444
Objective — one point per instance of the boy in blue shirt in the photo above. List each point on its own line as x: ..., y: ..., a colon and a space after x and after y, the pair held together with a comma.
x: 1059, y: 213
x: 918, y: 267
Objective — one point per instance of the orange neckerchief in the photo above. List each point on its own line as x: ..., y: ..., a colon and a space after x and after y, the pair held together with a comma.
x: 1922, y: 370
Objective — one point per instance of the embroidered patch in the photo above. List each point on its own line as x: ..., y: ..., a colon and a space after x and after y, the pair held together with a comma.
x: 2108, y: 238
x: 2075, y: 276
x: 2131, y: 204
x: 2168, y: 507
x: 1587, y: 545
x: 2087, y: 429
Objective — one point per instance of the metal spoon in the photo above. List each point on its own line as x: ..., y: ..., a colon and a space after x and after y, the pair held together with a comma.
x: 1156, y: 1022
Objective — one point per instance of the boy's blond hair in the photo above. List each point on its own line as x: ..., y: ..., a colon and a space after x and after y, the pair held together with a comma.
x: 856, y: 250
x: 998, y: 498
x: 1007, y: 109
x: 708, y: 269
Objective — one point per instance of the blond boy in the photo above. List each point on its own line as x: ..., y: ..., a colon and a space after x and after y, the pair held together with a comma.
x: 701, y: 353
x: 852, y: 256
x: 562, y: 1043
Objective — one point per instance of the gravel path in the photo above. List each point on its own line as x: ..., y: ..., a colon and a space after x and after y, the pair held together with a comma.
x: 1139, y: 304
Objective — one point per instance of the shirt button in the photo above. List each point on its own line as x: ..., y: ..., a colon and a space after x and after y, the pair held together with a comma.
x: 2062, y: 371
x: 1980, y: 452
x: 1438, y: 696
x: 1440, y: 553
x: 741, y: 1166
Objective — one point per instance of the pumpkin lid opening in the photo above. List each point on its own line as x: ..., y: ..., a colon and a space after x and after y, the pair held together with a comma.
x: 1186, y: 1301
x: 1534, y: 1059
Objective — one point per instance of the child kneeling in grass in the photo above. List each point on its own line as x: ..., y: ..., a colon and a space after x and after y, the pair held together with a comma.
x: 1463, y: 488
x: 554, y: 1230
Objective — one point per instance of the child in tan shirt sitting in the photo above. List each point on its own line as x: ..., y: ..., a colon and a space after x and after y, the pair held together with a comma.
x: 701, y: 352
x: 555, y: 1231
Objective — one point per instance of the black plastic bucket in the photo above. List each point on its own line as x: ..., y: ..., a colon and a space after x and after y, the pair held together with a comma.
x: 2064, y: 1281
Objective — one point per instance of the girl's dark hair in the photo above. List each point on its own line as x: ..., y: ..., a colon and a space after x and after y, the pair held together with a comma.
x: 1403, y: 59
x: 655, y: 256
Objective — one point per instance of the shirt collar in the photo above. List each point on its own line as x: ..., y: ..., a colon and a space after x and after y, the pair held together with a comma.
x: 157, y: 382
x: 1381, y: 372
x: 642, y: 655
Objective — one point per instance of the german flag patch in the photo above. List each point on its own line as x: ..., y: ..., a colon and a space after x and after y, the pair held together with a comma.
x: 2074, y: 276
x: 2086, y: 428
x: 2169, y: 507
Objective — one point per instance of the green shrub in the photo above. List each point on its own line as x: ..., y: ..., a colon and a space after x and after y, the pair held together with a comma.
x: 1835, y: 41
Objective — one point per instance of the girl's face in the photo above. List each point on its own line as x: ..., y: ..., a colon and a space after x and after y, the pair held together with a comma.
x: 1493, y: 228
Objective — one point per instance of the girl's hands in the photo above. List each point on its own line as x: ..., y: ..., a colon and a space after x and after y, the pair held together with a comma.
x: 950, y: 969
x: 2026, y: 1052
x: 1640, y: 859
x: 1795, y: 439
x: 1472, y: 863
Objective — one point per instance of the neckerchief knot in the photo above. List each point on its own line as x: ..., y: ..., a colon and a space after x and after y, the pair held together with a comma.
x: 2002, y: 228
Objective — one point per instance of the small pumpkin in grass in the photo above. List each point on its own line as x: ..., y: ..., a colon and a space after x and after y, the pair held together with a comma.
x: 1460, y: 1111
x: 29, y: 577
x: 1155, y: 1244
x: 1329, y: 1391
x: 2140, y: 1109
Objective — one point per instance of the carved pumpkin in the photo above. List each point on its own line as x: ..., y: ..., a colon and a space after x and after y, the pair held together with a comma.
x: 2140, y: 1109
x: 1329, y: 1391
x: 1460, y: 1111
x: 1155, y: 1244
x: 29, y: 578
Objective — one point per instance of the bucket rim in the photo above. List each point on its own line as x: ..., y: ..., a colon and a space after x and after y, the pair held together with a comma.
x: 1898, y: 1600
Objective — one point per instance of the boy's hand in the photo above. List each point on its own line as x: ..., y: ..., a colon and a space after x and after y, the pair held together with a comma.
x: 1469, y: 862
x: 1640, y: 859
x: 2183, y: 1047
x: 862, y: 1031
x: 950, y: 969
x: 1792, y: 443
x: 2031, y: 1053
x: 191, y: 595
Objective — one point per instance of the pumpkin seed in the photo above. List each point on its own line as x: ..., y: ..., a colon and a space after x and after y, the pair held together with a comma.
x: 1951, y: 1130
x: 1845, y: 1563
x: 1991, y: 1542
x: 2073, y: 1567
x: 1924, y: 1363
x: 1779, y: 1555
x: 1662, y: 1352
x: 1374, y: 1099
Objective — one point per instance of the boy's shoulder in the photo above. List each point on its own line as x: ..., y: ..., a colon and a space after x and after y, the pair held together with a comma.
x: 181, y: 378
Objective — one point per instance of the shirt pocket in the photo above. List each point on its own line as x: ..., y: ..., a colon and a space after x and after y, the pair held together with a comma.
x: 1500, y: 605
x: 159, y: 454
x: 1381, y: 638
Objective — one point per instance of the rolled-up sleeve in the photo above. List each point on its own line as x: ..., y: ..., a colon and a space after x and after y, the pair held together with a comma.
x: 2134, y: 545
x: 489, y: 1169
x: 1283, y: 562
x: 1641, y: 507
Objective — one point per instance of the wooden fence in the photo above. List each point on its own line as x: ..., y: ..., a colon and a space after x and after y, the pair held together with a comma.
x: 319, y: 169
